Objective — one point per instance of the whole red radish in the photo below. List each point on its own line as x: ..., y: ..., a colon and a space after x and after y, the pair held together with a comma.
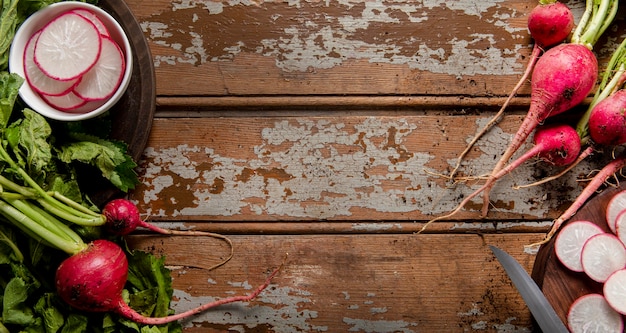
x: 607, y: 121
x: 93, y: 280
x: 550, y: 23
x: 562, y: 78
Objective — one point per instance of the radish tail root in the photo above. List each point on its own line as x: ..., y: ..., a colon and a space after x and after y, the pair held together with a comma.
x: 127, y: 312
x: 530, y: 153
x: 163, y: 231
x: 536, y: 52
x: 591, y: 188
x: 588, y: 151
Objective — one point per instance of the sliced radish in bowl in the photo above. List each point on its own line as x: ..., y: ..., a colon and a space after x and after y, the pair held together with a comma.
x: 91, y: 16
x: 67, y: 47
x: 67, y: 102
x: 103, y: 79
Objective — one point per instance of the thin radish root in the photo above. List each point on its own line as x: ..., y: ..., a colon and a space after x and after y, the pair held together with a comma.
x: 609, y: 170
x: 585, y: 153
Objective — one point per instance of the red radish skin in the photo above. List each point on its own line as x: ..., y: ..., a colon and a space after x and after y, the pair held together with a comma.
x: 607, y: 171
x: 592, y: 313
x: 569, y: 243
x: 93, y: 280
x: 607, y: 121
x: 548, y: 24
x: 557, y: 144
x: 562, y: 78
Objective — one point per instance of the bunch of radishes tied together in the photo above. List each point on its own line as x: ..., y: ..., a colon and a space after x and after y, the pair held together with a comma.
x: 561, y: 79
x: 584, y: 247
x: 73, y: 63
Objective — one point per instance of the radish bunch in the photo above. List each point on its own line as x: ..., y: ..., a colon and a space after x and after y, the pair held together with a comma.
x: 583, y: 246
x: 73, y: 63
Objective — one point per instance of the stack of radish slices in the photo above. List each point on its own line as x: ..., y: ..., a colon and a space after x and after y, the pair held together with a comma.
x: 73, y: 63
x: 583, y: 246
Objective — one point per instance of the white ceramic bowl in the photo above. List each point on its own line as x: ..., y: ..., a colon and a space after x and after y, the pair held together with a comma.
x: 36, y: 22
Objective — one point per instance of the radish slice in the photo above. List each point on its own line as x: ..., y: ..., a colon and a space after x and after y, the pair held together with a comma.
x: 616, y: 205
x: 620, y: 226
x: 602, y: 255
x: 38, y: 80
x: 91, y: 16
x: 570, y: 241
x: 67, y: 102
x: 592, y: 313
x: 615, y: 291
x: 103, y: 79
x: 67, y: 47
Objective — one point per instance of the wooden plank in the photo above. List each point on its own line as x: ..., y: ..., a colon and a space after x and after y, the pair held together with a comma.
x: 334, y: 283
x: 339, y: 48
x: 329, y: 168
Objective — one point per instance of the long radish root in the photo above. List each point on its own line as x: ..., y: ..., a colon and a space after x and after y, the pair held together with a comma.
x: 607, y: 171
x: 496, y: 118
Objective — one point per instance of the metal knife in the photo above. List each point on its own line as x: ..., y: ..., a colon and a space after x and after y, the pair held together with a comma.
x: 539, y: 306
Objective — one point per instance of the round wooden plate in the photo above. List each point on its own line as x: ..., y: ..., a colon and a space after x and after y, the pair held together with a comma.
x: 560, y: 285
x: 132, y: 115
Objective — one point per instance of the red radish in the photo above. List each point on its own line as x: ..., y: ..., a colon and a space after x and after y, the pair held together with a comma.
x: 607, y: 121
x: 68, y: 47
x: 614, y: 291
x: 602, y: 255
x: 38, y: 80
x: 616, y: 205
x: 67, y: 102
x: 555, y: 143
x: 93, y: 280
x: 562, y: 78
x: 592, y: 313
x: 103, y: 79
x: 569, y: 244
x: 122, y: 218
x: 549, y: 23
x: 91, y: 16
x: 595, y: 183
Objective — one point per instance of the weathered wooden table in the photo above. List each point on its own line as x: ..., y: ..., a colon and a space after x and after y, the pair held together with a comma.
x: 324, y: 130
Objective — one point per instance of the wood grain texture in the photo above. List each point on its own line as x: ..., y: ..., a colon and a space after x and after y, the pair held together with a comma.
x: 366, y: 283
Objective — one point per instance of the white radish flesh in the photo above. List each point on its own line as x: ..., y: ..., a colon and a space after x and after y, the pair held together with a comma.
x: 91, y: 16
x: 615, y: 206
x: 602, y: 255
x: 67, y: 102
x: 38, y: 80
x: 569, y: 243
x: 615, y: 291
x: 620, y: 226
x: 68, y: 47
x: 592, y: 313
x: 103, y: 79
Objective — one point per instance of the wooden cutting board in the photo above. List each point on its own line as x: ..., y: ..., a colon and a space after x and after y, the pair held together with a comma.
x: 560, y: 285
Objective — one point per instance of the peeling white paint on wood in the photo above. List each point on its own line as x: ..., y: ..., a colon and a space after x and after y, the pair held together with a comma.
x: 289, y: 317
x: 323, y: 41
x: 330, y: 169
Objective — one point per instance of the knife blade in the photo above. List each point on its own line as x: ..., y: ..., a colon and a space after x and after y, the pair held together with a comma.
x: 539, y: 306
